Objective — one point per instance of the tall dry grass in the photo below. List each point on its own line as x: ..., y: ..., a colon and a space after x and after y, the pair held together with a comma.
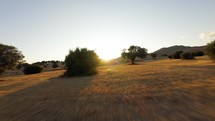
x: 176, y: 90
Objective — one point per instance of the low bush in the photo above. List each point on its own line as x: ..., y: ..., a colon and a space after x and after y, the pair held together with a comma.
x: 186, y: 55
x: 32, y: 69
x: 55, y: 65
x: 81, y: 62
x: 177, y: 54
x: 19, y: 66
x: 210, y: 50
x: 1, y: 70
x: 198, y: 53
x: 164, y: 55
x: 170, y: 56
x: 153, y: 55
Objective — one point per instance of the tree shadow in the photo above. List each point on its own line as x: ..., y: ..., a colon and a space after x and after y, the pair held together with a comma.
x: 52, y: 100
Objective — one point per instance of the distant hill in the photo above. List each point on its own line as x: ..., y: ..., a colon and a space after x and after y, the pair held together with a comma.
x: 172, y: 49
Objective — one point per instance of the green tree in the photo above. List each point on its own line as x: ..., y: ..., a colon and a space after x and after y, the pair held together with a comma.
x: 170, y: 57
x: 81, y: 62
x: 32, y: 69
x: 153, y: 55
x: 55, y: 65
x: 177, y: 54
x: 198, y: 53
x: 9, y: 57
x: 19, y: 66
x: 210, y: 50
x: 134, y: 51
x: 186, y: 56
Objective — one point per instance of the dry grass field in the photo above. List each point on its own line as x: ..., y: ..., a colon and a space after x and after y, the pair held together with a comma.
x: 162, y: 90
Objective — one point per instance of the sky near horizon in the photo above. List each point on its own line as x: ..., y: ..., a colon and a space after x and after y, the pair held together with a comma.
x: 48, y: 29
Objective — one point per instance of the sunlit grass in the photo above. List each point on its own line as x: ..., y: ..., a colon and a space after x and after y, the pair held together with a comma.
x: 156, y: 90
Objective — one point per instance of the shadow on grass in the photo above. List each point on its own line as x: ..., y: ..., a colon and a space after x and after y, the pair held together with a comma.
x: 52, y: 100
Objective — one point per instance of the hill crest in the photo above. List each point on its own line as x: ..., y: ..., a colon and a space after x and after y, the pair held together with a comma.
x: 170, y: 50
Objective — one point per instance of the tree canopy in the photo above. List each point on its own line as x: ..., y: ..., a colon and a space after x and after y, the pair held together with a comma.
x: 210, y: 50
x: 134, y: 51
x: 81, y: 62
x: 9, y: 56
x: 153, y: 55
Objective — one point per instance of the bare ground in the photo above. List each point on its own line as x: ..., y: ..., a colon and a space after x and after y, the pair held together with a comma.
x: 173, y: 90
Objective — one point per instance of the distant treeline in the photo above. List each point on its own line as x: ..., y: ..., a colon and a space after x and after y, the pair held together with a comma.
x: 52, y: 63
x: 185, y: 55
x: 44, y: 64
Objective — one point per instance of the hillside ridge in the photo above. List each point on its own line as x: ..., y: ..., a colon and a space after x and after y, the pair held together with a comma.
x: 172, y: 49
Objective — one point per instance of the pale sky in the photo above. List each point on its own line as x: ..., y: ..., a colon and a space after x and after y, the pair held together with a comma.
x: 48, y: 29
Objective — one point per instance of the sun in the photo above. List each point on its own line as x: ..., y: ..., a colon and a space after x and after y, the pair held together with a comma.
x: 107, y: 54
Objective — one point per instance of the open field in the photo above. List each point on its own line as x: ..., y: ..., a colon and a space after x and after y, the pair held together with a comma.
x: 163, y: 90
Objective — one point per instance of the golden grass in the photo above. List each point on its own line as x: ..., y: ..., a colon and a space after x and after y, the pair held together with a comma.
x: 173, y: 90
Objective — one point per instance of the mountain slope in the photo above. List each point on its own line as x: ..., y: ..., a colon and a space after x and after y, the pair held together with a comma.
x: 172, y: 49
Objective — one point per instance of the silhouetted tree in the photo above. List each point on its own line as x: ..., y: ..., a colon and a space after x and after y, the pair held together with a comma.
x: 134, y: 51
x: 153, y: 55
x: 9, y: 57
x: 186, y: 55
x: 177, y: 54
x: 198, y: 53
x: 164, y: 55
x: 210, y: 50
x: 55, y: 65
x: 170, y: 56
x: 32, y: 69
x: 19, y: 66
x: 81, y: 62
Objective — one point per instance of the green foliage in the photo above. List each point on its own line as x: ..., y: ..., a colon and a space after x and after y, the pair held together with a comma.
x: 47, y: 63
x: 210, y: 50
x: 134, y: 51
x: 1, y: 70
x: 177, y: 54
x: 19, y: 66
x: 55, y: 65
x: 164, y: 55
x: 170, y: 56
x: 153, y: 55
x: 32, y: 69
x: 81, y: 62
x: 9, y: 57
x: 199, y: 53
x: 22, y: 65
x: 186, y: 55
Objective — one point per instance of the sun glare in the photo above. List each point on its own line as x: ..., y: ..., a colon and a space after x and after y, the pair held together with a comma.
x: 106, y: 56
x: 106, y: 53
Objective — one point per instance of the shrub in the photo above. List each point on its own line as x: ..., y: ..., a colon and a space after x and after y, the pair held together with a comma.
x: 19, y: 66
x: 199, y: 53
x: 153, y: 55
x: 170, y: 56
x: 32, y: 69
x: 55, y: 65
x: 210, y: 50
x: 81, y: 62
x: 1, y: 70
x: 177, y: 54
x: 22, y: 65
x: 164, y: 55
x: 186, y: 55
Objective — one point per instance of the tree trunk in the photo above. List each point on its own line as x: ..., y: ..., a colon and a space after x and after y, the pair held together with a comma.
x: 132, y: 60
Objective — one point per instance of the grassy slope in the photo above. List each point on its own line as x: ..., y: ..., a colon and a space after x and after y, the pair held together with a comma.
x: 173, y: 90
